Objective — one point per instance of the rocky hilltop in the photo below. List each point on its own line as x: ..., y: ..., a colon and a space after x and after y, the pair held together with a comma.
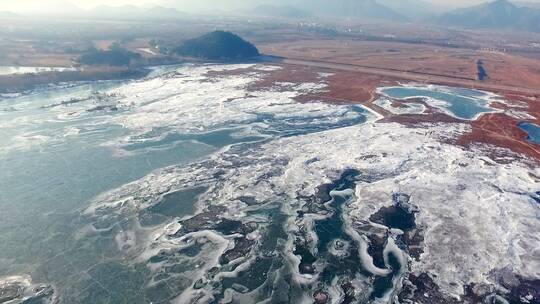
x: 218, y: 45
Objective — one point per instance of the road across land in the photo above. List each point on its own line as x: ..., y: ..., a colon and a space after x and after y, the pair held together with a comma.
x: 413, y: 76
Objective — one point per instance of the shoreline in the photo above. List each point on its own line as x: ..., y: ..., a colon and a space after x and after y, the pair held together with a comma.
x: 16, y: 83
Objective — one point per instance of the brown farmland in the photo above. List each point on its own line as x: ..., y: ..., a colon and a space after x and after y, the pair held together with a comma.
x: 435, y: 63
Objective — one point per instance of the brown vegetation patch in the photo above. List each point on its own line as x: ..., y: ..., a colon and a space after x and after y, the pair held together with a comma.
x: 355, y: 87
x: 418, y: 59
x: 399, y: 104
x: 497, y: 129
x: 532, y: 104
x: 498, y: 105
x: 342, y: 86
x: 287, y: 74
x: 500, y: 130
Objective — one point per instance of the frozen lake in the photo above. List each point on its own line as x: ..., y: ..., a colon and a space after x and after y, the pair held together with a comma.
x: 186, y: 187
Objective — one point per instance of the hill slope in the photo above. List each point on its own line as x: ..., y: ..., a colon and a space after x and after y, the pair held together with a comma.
x: 132, y: 12
x: 283, y: 11
x: 499, y: 14
x: 339, y: 8
x: 218, y: 45
x: 413, y: 9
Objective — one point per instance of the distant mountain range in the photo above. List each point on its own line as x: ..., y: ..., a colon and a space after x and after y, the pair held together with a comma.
x: 132, y: 12
x: 355, y: 8
x: 105, y: 12
x: 413, y: 9
x: 296, y: 8
x: 283, y: 11
x: 499, y: 14
x: 396, y: 10
x: 496, y: 14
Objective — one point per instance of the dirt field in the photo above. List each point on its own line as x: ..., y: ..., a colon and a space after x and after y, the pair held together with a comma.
x: 503, y: 69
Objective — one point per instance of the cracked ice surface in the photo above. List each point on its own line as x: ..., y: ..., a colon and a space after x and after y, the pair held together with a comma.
x: 192, y: 101
x: 479, y: 215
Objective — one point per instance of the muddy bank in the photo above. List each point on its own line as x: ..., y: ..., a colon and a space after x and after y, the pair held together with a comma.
x: 24, y: 82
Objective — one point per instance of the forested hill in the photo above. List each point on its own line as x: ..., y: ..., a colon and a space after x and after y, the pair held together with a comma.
x: 218, y: 45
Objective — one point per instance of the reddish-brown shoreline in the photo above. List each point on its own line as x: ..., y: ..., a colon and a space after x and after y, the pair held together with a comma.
x: 348, y: 87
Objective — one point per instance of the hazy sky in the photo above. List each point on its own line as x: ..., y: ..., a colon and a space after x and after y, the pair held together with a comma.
x: 55, y: 5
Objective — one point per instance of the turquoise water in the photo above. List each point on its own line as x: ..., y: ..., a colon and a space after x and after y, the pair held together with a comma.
x: 44, y: 184
x: 461, y: 103
x: 56, y: 157
x: 533, y: 131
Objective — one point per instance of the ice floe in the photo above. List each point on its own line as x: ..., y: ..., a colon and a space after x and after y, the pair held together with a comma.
x: 478, y: 215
